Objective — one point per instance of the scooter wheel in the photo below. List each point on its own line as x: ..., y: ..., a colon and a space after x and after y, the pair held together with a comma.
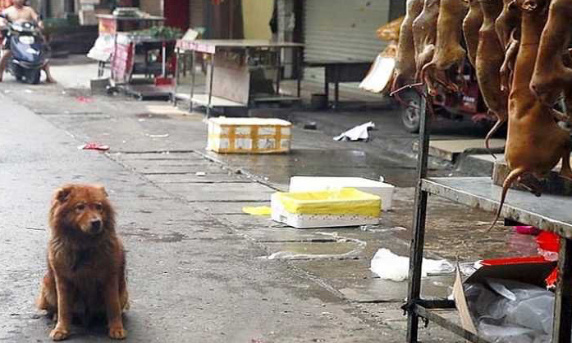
x: 33, y: 76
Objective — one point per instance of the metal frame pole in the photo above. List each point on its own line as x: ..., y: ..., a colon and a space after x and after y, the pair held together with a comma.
x: 278, y: 70
x: 337, y: 87
x: 418, y: 239
x: 177, y: 70
x: 562, y: 326
x: 299, y: 71
x: 211, y: 85
x: 327, y: 85
x: 193, y: 71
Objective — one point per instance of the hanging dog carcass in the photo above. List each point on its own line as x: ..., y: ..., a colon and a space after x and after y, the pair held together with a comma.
x: 448, y: 50
x: 405, y: 68
x: 425, y: 34
x: 489, y: 59
x: 471, y: 25
x: 535, y: 142
x: 551, y: 76
x: 507, y: 21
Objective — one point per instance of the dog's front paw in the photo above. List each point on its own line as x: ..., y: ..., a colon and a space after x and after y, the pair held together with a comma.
x: 117, y: 333
x: 59, y: 334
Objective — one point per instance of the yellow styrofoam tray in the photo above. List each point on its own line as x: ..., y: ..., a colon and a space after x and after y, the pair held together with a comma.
x: 343, y: 201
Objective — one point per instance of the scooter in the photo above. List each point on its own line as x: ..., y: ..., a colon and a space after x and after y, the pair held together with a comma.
x: 29, y: 51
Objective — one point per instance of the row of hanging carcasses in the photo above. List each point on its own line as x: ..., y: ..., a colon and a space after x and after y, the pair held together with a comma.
x: 519, y: 49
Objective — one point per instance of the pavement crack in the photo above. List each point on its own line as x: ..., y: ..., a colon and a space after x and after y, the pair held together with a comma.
x: 34, y: 229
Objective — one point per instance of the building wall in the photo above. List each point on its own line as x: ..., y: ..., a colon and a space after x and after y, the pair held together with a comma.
x: 57, y: 9
x: 154, y: 7
x: 256, y: 15
x: 197, y: 13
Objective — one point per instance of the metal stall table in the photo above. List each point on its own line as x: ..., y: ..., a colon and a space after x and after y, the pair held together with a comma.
x: 337, y: 72
x: 109, y: 26
x: 144, y: 88
x: 233, y: 68
x: 550, y: 213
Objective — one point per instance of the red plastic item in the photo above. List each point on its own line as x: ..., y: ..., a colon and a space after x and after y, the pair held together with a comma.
x: 163, y: 81
x: 84, y: 99
x: 95, y: 146
x: 513, y: 260
x: 527, y: 230
x: 548, y: 241
x: 552, y: 279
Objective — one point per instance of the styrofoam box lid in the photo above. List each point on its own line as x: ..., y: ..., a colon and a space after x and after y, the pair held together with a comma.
x: 249, y: 121
x: 319, y: 182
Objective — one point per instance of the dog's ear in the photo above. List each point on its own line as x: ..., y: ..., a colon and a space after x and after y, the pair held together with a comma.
x: 102, y: 190
x: 62, y: 194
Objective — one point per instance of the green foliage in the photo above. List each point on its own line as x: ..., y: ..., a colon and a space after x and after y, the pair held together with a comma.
x: 163, y: 32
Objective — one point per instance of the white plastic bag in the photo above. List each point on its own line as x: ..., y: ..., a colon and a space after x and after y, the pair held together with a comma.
x: 511, y: 312
x: 396, y: 268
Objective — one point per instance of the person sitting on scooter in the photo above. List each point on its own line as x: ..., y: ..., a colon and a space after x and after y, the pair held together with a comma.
x: 18, y: 12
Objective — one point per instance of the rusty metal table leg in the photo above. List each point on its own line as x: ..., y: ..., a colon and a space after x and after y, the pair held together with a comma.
x: 418, y: 239
x: 562, y: 327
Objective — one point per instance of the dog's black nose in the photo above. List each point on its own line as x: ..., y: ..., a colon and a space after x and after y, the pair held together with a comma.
x: 95, y: 226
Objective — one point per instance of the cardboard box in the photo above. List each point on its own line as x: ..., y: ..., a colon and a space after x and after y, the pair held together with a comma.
x: 249, y: 135
x: 531, y: 270
x: 318, y: 183
x: 331, y: 208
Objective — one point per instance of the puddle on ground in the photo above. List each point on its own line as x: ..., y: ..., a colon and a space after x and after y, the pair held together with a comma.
x: 152, y: 116
x: 343, y: 249
x: 302, y: 162
x: 171, y: 237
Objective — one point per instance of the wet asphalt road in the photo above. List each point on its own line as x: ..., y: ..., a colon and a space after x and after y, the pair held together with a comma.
x: 191, y: 278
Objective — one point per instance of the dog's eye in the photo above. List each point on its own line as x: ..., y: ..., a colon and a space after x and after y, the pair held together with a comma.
x: 80, y: 207
x: 98, y: 207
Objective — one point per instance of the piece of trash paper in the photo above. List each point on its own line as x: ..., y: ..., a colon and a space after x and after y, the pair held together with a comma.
x: 158, y: 136
x: 396, y: 268
x: 359, y: 132
x: 94, y: 146
x: 258, y: 211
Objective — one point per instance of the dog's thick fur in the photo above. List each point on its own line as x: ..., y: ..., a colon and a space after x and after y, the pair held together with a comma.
x: 86, y: 261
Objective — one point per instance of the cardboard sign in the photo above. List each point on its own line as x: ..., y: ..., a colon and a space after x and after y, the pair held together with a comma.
x: 107, y: 25
x: 122, y: 61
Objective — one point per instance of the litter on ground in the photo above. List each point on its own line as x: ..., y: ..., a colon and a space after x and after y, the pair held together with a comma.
x: 258, y: 211
x: 390, y: 266
x: 357, y: 133
x: 94, y: 146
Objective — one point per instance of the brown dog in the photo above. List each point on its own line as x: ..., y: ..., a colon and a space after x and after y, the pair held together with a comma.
x: 86, y: 261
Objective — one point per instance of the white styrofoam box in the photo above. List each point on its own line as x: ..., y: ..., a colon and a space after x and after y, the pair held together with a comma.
x: 347, y: 207
x: 249, y: 135
x: 316, y: 183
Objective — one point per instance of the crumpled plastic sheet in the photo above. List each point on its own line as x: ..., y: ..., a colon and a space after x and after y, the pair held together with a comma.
x: 357, y: 133
x: 511, y: 312
x: 390, y: 266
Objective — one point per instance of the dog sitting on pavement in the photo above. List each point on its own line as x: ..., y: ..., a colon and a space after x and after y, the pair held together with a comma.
x: 86, y: 261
